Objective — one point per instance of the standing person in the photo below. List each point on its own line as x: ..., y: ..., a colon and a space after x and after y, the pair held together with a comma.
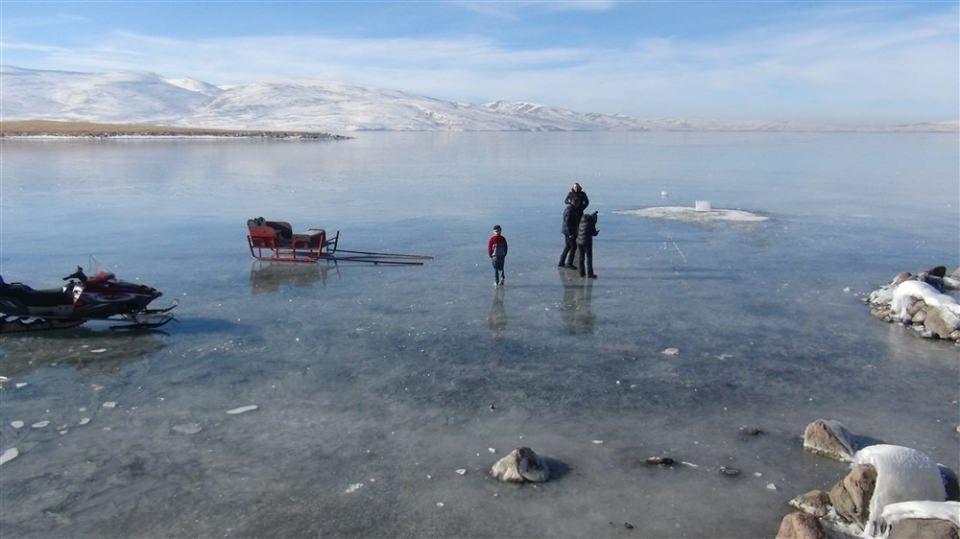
x: 571, y: 221
x: 585, y: 233
x: 577, y: 198
x: 497, y: 251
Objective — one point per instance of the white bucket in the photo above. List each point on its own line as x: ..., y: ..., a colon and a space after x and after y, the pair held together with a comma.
x: 702, y: 205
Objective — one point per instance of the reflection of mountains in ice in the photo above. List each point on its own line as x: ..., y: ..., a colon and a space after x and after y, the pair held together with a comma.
x: 128, y: 97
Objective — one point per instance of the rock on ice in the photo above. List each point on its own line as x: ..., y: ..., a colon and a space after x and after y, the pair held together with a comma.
x: 521, y: 465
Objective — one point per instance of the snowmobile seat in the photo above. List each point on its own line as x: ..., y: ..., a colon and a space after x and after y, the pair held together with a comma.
x: 36, y: 298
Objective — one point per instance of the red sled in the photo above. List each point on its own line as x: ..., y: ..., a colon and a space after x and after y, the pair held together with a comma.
x: 275, y: 241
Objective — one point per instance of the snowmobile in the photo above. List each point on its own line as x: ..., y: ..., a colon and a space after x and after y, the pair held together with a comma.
x: 101, y: 297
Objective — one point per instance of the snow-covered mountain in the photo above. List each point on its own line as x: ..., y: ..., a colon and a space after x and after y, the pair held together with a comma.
x: 134, y: 97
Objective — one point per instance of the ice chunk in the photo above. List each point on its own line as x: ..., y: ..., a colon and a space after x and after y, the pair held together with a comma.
x: 110, y: 405
x: 98, y: 351
x: 243, y: 409
x: 187, y: 428
x: 16, y: 424
x: 903, y: 474
x: 9, y: 455
x: 353, y: 488
x: 670, y: 351
x: 84, y: 420
x: 40, y: 424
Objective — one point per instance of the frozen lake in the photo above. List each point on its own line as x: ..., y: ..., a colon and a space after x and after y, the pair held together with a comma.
x: 384, y: 376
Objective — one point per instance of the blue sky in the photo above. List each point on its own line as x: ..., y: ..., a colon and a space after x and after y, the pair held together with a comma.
x: 836, y: 61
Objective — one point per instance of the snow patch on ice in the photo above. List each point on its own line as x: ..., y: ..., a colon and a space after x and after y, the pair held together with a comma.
x: 9, y: 455
x: 691, y: 215
x: 243, y: 409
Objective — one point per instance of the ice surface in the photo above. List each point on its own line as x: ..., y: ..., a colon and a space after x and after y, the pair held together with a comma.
x: 903, y: 474
x: 396, y: 368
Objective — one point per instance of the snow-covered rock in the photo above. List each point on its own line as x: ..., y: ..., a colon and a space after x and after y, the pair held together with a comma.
x: 903, y: 474
x: 911, y: 300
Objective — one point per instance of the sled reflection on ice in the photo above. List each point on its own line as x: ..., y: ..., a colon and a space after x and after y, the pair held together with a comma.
x: 268, y: 277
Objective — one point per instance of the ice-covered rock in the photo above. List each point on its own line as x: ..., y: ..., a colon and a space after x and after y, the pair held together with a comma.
x: 798, y: 525
x: 918, y: 301
x: 828, y: 438
x: 921, y: 519
x: 815, y: 502
x: 521, y: 465
x: 910, y: 291
x: 902, y: 474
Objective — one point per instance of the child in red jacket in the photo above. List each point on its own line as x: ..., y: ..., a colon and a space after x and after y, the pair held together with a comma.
x: 497, y: 251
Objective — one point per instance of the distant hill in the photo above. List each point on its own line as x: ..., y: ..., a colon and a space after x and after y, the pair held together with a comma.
x: 148, y: 98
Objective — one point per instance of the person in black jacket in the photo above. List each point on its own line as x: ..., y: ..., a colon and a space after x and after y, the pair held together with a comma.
x: 585, y: 233
x: 577, y: 198
x: 571, y: 220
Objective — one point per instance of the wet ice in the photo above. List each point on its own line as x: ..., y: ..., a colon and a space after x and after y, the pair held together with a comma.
x: 436, y: 345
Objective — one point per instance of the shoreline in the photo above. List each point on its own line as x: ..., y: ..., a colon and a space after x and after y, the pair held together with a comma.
x: 58, y: 130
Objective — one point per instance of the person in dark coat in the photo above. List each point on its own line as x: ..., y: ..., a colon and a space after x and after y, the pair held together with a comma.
x: 577, y: 198
x: 585, y: 233
x: 571, y: 221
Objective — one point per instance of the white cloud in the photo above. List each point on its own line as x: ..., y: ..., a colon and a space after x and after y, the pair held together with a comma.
x: 835, y: 67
